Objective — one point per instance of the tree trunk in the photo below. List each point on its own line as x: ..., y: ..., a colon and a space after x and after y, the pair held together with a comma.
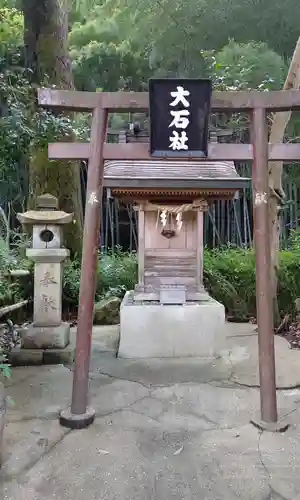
x: 46, y: 52
x: 280, y: 122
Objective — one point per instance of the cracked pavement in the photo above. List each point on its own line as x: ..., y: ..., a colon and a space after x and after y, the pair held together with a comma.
x: 169, y: 428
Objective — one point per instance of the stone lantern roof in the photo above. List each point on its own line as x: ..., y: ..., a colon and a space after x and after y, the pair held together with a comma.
x: 47, y: 213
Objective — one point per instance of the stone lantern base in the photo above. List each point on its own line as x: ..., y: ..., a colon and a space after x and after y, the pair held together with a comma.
x: 46, y: 337
x: 44, y: 346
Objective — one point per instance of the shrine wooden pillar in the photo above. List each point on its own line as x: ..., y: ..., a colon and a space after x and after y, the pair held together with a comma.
x: 141, y: 245
x: 200, y: 244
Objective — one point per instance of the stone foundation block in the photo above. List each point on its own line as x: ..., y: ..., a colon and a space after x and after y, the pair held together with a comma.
x: 151, y: 330
x: 31, y: 357
x: 26, y: 357
x: 64, y: 356
x: 45, y: 337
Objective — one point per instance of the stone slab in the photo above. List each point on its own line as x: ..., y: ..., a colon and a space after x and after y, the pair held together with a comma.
x: 23, y: 374
x: 158, y: 331
x: 41, y: 396
x: 239, y: 362
x: 64, y: 356
x: 26, y: 357
x: 183, y: 441
x: 160, y: 371
x: 25, y: 443
x: 105, y: 338
x: 128, y: 456
x: 31, y: 357
x: 108, y: 396
x: 242, y: 354
x: 281, y: 456
x: 45, y: 337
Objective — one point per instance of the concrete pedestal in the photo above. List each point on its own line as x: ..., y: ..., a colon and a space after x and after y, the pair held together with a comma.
x: 151, y: 330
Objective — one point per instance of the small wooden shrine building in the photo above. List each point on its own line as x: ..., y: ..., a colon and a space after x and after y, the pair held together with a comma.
x: 171, y: 197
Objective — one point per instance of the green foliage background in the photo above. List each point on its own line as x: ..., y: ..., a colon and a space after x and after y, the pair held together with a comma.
x: 229, y: 275
x: 118, y: 45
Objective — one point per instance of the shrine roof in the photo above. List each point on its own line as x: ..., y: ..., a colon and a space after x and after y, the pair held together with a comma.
x: 168, y: 169
x: 219, y: 174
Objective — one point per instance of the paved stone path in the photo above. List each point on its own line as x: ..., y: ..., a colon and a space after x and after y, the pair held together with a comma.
x: 165, y: 429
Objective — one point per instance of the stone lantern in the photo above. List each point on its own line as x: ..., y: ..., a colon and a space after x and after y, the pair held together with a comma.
x: 47, y: 330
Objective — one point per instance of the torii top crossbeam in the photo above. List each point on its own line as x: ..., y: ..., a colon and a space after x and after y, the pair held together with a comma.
x: 130, y: 101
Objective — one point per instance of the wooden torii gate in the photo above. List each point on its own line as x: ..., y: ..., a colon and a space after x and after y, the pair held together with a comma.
x: 258, y: 104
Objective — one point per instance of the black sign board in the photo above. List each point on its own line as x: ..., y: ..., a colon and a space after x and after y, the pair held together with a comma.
x: 179, y: 115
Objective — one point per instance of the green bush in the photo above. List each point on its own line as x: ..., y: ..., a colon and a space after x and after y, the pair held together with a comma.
x: 116, y: 273
x: 10, y: 291
x: 288, y: 279
x: 229, y: 276
x: 71, y: 283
